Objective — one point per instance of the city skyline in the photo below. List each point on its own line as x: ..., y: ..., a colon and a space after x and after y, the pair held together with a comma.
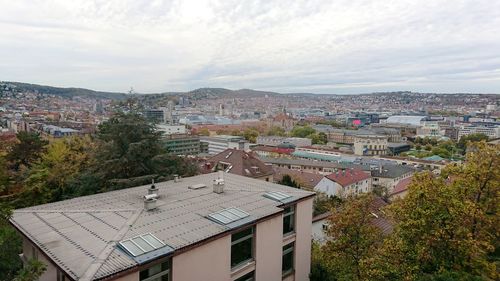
x: 324, y: 48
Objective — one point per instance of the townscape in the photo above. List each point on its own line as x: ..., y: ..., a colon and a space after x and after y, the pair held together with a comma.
x: 255, y: 140
x: 349, y: 163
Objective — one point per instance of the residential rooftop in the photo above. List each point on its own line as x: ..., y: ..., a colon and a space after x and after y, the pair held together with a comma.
x: 81, y: 235
x: 241, y: 163
x: 348, y: 176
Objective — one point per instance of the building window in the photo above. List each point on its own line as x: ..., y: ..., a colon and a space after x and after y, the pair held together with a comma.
x: 157, y: 272
x: 60, y: 276
x: 247, y: 277
x: 289, y: 220
x: 241, y: 247
x: 287, y: 261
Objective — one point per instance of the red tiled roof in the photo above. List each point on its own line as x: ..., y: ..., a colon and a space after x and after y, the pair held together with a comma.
x: 402, y: 185
x: 348, y: 176
x: 379, y: 219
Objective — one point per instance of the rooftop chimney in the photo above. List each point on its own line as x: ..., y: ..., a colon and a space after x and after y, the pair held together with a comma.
x: 149, y: 203
x: 153, y: 189
x: 219, y: 183
x: 177, y: 178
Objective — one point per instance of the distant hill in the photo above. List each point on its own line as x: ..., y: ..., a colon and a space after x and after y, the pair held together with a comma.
x: 63, y: 92
x: 226, y: 93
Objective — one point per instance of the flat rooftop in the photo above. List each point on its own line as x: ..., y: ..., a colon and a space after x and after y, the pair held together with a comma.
x: 81, y: 235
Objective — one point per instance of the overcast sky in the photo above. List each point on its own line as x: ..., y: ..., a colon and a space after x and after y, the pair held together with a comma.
x: 331, y: 46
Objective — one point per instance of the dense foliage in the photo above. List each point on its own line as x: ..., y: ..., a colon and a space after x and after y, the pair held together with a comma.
x: 446, y: 228
x: 288, y: 181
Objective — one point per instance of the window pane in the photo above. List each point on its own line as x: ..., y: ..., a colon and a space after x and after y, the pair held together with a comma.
x: 288, y: 224
x: 242, y: 251
x: 132, y: 248
x: 157, y: 272
x: 241, y: 234
x: 287, y: 262
x: 145, y: 246
x: 153, y: 241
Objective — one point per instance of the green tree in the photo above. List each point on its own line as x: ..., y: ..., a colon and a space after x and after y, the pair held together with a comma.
x: 62, y: 162
x: 31, y: 271
x: 318, y: 138
x: 302, y: 131
x: 10, y: 245
x: 130, y: 148
x: 288, y: 181
x: 352, y: 238
x: 251, y: 135
x: 465, y: 140
x: 4, y: 175
x: 446, y: 224
x: 128, y: 144
x: 276, y: 131
x: 320, y: 270
x: 27, y: 150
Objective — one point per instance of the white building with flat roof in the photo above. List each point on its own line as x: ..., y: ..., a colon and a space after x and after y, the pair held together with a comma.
x: 491, y: 131
x: 217, y: 144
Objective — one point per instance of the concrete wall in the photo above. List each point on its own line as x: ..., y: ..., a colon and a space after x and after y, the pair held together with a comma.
x: 50, y: 273
x: 209, y: 262
x: 328, y: 187
x: 303, y: 240
x: 318, y: 234
x: 269, y: 249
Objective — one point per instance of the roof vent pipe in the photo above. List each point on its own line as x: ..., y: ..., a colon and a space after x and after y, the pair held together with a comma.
x: 153, y: 189
x: 219, y: 183
x: 149, y: 203
x: 177, y: 178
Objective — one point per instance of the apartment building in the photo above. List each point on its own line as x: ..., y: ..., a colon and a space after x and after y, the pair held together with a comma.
x: 309, y: 166
x: 370, y: 145
x: 490, y: 131
x: 277, y: 140
x: 212, y: 227
x: 345, y: 182
x: 182, y: 144
x: 388, y: 176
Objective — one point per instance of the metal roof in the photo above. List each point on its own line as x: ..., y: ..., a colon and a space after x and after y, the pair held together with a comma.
x: 81, y: 235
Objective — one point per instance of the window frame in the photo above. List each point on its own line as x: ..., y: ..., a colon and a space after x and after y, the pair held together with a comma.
x: 162, y: 273
x: 250, y: 237
x: 291, y: 214
x: 249, y: 276
x: 289, y: 250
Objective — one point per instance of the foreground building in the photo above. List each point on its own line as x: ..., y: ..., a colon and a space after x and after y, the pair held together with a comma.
x: 199, y: 228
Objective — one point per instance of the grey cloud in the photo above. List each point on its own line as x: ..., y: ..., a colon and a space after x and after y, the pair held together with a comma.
x: 317, y: 46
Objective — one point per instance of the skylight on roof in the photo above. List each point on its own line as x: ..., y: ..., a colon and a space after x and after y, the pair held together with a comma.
x: 276, y: 195
x: 141, y: 244
x: 228, y: 215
